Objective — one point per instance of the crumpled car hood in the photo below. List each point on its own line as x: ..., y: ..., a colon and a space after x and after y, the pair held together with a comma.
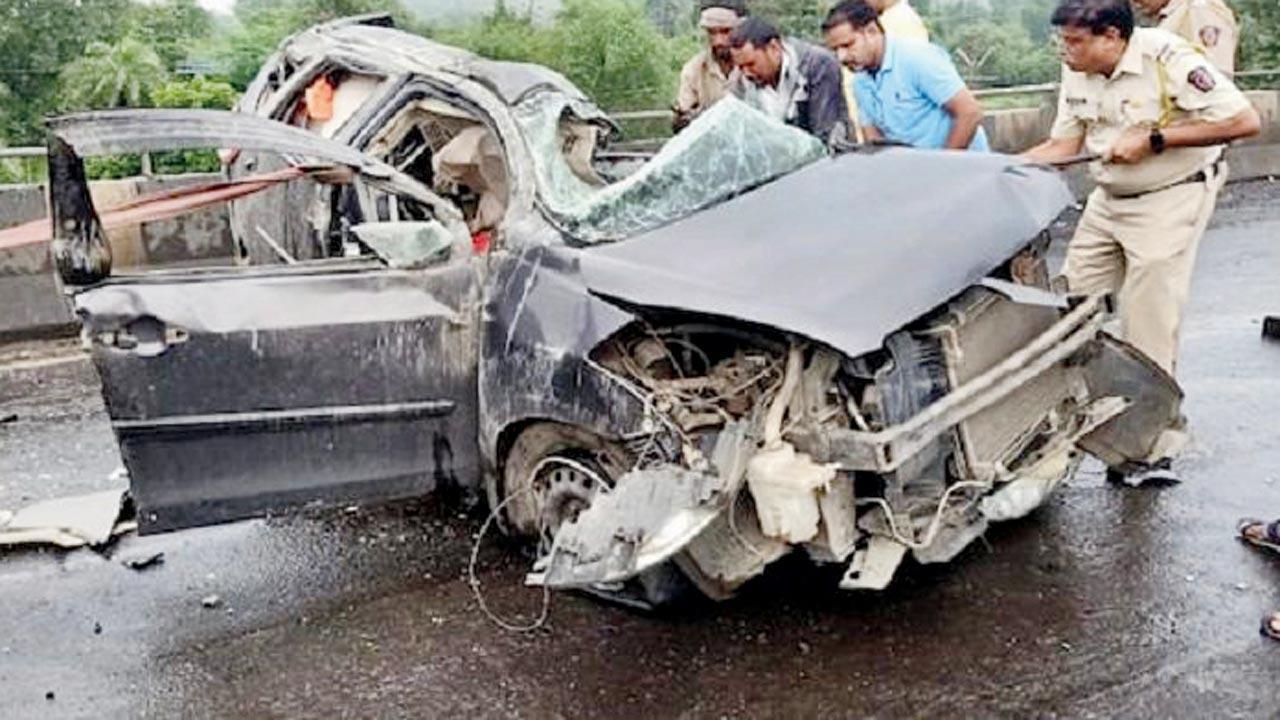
x: 844, y: 251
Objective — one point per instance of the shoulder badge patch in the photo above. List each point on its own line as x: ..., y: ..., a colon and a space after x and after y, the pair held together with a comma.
x: 1209, y: 35
x: 1202, y: 80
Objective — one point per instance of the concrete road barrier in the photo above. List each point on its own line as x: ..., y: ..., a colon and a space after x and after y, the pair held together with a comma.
x: 32, y: 306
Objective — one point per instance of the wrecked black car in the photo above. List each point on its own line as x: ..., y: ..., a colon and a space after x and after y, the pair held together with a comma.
x: 662, y: 371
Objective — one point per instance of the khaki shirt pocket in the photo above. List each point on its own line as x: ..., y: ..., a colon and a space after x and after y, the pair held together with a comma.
x: 1083, y: 108
x: 1077, y: 115
x: 1140, y: 111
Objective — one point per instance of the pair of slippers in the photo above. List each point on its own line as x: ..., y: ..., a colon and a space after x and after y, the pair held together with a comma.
x: 1263, y: 534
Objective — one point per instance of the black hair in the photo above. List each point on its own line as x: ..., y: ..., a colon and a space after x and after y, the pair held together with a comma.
x: 738, y: 6
x: 857, y: 13
x: 1095, y: 15
x: 754, y: 31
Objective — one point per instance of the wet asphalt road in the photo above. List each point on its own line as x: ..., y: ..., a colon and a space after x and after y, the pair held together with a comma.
x: 1106, y: 603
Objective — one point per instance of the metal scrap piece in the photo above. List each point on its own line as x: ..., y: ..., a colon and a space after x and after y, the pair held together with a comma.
x: 66, y: 522
x: 142, y: 562
x: 649, y: 516
x: 838, y: 532
x: 1271, y: 327
x: 731, y: 551
x: 873, y: 566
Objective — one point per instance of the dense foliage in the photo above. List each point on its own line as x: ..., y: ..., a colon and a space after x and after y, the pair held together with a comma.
x: 609, y: 48
x: 66, y: 55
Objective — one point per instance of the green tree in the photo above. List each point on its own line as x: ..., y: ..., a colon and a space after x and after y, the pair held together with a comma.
x: 503, y: 35
x: 171, y: 28
x: 195, y: 93
x: 797, y: 18
x: 111, y: 76
x: 38, y: 37
x: 260, y: 25
x: 996, y: 53
x: 253, y: 37
x: 1259, y: 33
x: 611, y: 50
x: 672, y: 17
x: 1006, y: 44
x: 1034, y: 17
x: 6, y: 104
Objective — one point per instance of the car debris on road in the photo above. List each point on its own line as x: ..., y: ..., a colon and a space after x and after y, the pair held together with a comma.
x: 143, y: 562
x: 86, y: 520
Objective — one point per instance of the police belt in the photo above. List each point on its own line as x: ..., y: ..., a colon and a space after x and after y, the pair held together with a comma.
x: 1211, y: 171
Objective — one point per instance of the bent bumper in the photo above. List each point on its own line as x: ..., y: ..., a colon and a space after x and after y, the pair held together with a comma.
x: 1067, y: 342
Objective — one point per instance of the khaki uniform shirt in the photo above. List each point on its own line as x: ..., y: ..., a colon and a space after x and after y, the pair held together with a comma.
x: 900, y: 20
x: 1207, y: 23
x: 1160, y: 80
x: 702, y: 84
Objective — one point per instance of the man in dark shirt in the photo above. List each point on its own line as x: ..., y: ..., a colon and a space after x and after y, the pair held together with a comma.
x: 789, y: 80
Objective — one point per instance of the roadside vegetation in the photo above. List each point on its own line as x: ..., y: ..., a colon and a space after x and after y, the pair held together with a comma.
x: 68, y: 55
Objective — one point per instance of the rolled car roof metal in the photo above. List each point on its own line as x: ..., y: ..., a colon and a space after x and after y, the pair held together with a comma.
x: 129, y: 131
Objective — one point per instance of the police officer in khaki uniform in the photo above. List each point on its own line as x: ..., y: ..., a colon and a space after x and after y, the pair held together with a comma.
x: 1207, y: 23
x: 1157, y: 114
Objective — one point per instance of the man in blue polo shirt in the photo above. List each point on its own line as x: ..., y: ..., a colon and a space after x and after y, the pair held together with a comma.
x: 908, y: 91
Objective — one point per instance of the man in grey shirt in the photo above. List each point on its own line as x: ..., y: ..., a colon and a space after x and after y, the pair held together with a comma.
x: 789, y: 80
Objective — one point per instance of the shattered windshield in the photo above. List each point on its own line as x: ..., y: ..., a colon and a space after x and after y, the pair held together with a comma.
x: 729, y: 149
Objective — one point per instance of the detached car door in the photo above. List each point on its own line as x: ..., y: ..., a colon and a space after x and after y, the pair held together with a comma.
x: 236, y: 392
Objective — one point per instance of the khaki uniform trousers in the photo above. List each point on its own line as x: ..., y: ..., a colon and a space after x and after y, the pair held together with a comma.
x: 1143, y: 249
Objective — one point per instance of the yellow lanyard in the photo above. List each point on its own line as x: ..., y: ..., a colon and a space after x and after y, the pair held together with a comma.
x: 1167, y: 107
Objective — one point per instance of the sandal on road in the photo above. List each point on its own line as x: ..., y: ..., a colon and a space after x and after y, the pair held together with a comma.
x: 1260, y: 533
x: 1271, y: 626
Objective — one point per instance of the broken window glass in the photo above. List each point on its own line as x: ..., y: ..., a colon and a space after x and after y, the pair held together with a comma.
x: 728, y: 150
x: 406, y: 245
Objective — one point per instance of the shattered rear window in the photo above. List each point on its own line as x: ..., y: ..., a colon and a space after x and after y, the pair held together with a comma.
x: 728, y: 150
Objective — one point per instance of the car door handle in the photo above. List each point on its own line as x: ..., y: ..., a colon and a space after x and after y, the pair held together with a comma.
x: 144, y: 337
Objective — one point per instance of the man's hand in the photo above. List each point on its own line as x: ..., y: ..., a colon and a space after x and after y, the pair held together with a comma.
x: 1133, y: 147
x: 680, y: 119
x: 1055, y: 150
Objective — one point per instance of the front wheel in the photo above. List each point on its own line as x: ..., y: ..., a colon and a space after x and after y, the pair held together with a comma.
x: 552, y: 474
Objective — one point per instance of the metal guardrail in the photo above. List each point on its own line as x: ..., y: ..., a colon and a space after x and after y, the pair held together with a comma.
x: 1041, y: 89
x: 37, y: 153
x: 26, y: 158
x: 980, y: 93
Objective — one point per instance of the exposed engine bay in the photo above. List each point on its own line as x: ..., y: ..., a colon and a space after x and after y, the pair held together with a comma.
x: 752, y: 453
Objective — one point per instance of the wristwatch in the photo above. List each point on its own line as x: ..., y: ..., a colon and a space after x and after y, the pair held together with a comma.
x: 1157, y: 141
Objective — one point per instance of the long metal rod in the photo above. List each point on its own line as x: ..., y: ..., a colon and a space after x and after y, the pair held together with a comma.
x: 891, y: 446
